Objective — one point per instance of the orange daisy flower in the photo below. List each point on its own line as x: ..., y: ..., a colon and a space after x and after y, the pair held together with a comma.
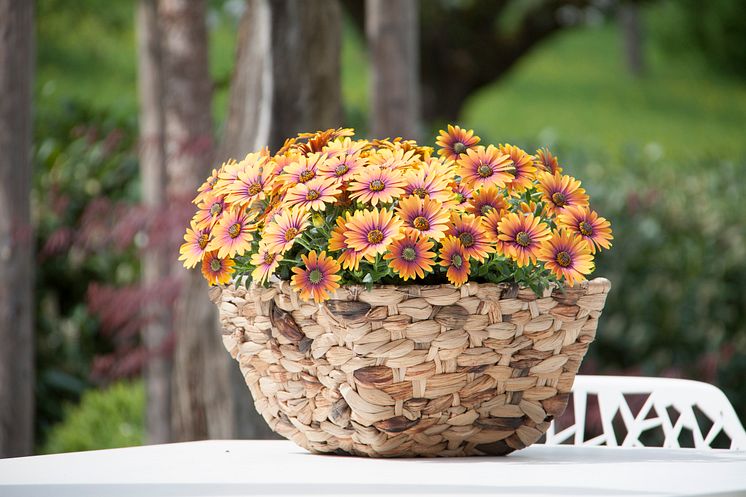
x: 217, y: 270
x: 455, y: 142
x: 265, y: 261
x: 248, y: 187
x: 396, y: 158
x: 206, y: 187
x: 371, y: 232
x: 349, y: 258
x: 545, y: 161
x: 410, y: 257
x: 522, y: 236
x: 468, y: 229
x: 453, y: 256
x: 342, y: 167
x: 430, y: 180
x: 484, y: 167
x: 345, y: 146
x: 375, y: 184
x: 315, y: 142
x: 595, y: 230
x: 485, y: 201
x: 302, y: 170
x: 314, y: 194
x: 280, y: 234
x: 233, y: 234
x: 195, y: 247
x: 491, y: 224
x: 425, y: 217
x: 524, y: 170
x: 462, y: 195
x: 567, y: 256
x: 318, y: 278
x: 230, y: 169
x: 561, y: 191
x: 209, y: 210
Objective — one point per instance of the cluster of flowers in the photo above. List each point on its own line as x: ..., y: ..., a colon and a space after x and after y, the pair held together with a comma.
x: 327, y: 210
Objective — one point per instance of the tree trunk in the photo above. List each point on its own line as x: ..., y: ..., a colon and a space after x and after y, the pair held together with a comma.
x: 201, y: 401
x: 628, y: 15
x: 16, y: 240
x: 464, y: 46
x: 392, y: 28
x: 286, y: 80
x: 155, y: 258
x: 287, y: 75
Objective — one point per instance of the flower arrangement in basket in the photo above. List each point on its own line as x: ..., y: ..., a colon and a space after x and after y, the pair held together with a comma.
x: 385, y: 301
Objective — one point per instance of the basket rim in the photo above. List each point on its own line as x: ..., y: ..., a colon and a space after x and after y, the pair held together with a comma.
x: 600, y: 284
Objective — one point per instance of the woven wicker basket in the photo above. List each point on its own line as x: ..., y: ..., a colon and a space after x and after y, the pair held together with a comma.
x: 411, y: 370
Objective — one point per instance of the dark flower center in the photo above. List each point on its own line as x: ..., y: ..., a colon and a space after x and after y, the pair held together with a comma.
x: 216, y: 209
x: 315, y: 276
x: 457, y: 261
x: 485, y: 171
x: 234, y: 230
x: 306, y: 176
x: 460, y: 197
x: 419, y: 192
x: 467, y: 239
x: 421, y: 223
x: 563, y: 259
x: 409, y: 254
x: 341, y: 169
x: 375, y: 236
x: 459, y: 147
x: 486, y: 208
x: 585, y: 228
x: 312, y: 195
x: 254, y: 189
x: 559, y: 199
x: 269, y: 258
x: 377, y: 185
x: 216, y: 265
x: 523, y: 239
x: 203, y: 239
x: 290, y: 233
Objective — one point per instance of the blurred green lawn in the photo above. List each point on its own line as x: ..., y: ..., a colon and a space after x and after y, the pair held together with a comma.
x: 574, y: 89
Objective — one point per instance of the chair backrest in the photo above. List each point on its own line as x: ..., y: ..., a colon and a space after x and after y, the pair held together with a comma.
x: 631, y: 408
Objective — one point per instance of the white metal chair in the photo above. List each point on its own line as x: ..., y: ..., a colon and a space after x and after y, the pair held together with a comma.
x: 672, y: 409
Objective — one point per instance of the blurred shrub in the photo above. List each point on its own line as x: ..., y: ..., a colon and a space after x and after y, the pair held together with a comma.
x: 678, y: 268
x: 104, y: 419
x: 85, y: 161
x: 715, y: 29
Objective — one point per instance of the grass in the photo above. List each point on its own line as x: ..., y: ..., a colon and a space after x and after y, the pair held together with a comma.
x: 86, y: 51
x: 575, y: 89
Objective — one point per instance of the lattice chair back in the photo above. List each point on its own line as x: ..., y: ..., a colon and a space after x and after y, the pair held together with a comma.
x: 637, y: 412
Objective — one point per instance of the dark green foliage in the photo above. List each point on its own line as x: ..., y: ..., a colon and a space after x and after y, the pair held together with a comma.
x: 715, y: 30
x: 84, y: 164
x: 677, y: 267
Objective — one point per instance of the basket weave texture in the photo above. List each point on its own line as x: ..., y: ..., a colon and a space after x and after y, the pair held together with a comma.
x: 411, y: 370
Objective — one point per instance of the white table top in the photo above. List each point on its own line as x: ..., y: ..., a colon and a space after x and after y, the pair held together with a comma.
x: 235, y: 468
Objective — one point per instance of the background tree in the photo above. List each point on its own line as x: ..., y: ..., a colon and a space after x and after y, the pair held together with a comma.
x: 467, y: 45
x: 16, y: 240
x: 286, y: 80
x: 155, y: 260
x: 391, y: 28
x: 201, y: 402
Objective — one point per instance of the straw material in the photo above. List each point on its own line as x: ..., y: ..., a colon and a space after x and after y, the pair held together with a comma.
x: 411, y: 370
